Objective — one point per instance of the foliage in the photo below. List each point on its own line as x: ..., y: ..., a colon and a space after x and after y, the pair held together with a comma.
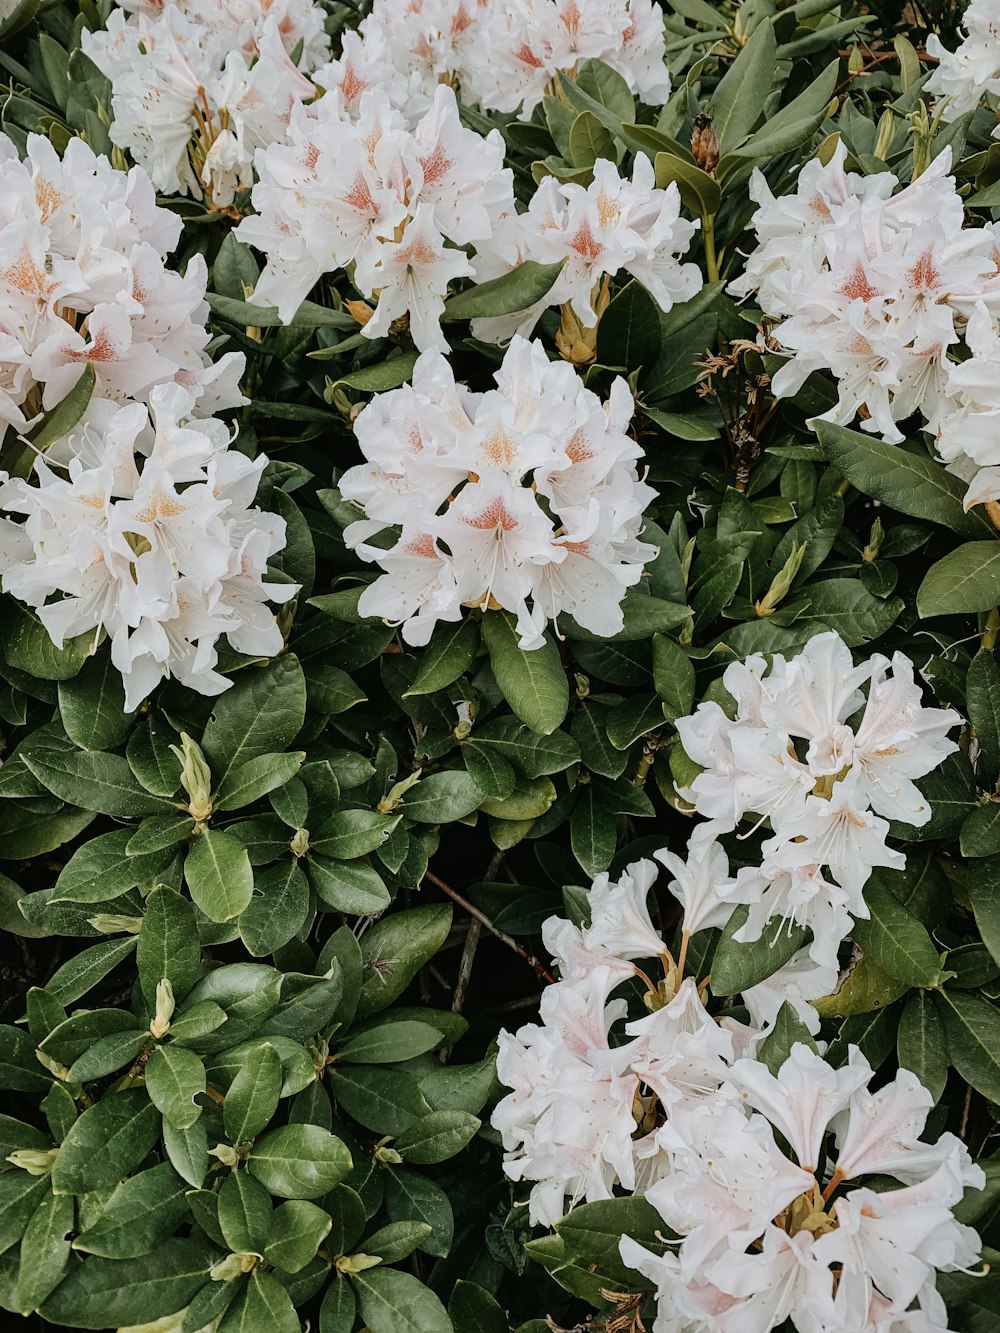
x: 247, y: 1078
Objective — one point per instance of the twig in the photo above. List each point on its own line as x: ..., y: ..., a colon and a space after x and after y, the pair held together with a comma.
x: 484, y: 920
x: 965, y: 1113
x: 465, y: 966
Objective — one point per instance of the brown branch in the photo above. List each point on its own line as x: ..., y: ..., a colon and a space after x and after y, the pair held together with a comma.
x: 484, y: 920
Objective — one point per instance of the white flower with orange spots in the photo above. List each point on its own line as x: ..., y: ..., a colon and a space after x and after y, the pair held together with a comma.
x: 390, y: 204
x: 84, y: 283
x: 198, y: 87
x: 612, y: 226
x: 491, y: 511
x: 141, y: 526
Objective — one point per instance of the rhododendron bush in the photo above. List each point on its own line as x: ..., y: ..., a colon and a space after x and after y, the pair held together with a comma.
x: 499, y: 694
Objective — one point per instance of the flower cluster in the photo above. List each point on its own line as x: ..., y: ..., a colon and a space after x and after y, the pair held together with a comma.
x: 877, y: 288
x: 826, y: 767
x: 388, y: 203
x: 141, y: 522
x: 198, y: 86
x: 614, y: 225
x: 681, y: 1108
x: 766, y: 1237
x: 503, y: 56
x: 83, y: 281
x: 965, y: 76
x: 526, y: 492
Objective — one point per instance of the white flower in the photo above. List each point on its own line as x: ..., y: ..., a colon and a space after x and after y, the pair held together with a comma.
x: 612, y: 226
x: 827, y: 767
x: 620, y: 924
x: 966, y: 75
x: 83, y: 282
x: 391, y: 203
x: 197, y: 87
x: 700, y: 883
x: 798, y: 982
x: 871, y: 286
x: 464, y: 476
x: 147, y: 533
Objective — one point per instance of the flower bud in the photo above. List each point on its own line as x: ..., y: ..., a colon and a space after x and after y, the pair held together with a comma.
x: 233, y: 1266
x: 870, y: 553
x: 705, y: 142
x: 160, y: 1025
x: 196, y: 777
x: 110, y: 924
x: 300, y: 842
x: 58, y: 1070
x: 781, y: 584
x: 36, y: 1161
x: 226, y: 1154
x: 356, y: 1263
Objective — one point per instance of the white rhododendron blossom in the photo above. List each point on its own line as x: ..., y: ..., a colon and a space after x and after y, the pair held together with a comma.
x: 503, y: 55
x: 84, y: 282
x: 827, y: 765
x: 525, y: 498
x: 197, y: 86
x: 614, y: 225
x: 391, y: 205
x: 767, y: 1236
x: 140, y: 524
x: 966, y: 75
x: 878, y: 288
x: 584, y: 1113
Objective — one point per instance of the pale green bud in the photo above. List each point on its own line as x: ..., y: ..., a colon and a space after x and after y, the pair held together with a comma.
x: 196, y: 777
x: 781, y: 584
x: 36, y: 1161
x: 160, y: 1025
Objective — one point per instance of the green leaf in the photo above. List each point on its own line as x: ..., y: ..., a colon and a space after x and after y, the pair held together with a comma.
x: 535, y: 755
x: 460, y: 1087
x: 278, y: 909
x: 411, y: 1195
x: 140, y: 1215
x: 847, y: 606
x: 980, y: 835
x: 27, y: 646
x: 297, y: 1230
x: 348, y: 886
x: 738, y: 966
x: 348, y: 834
x: 592, y: 1231
x: 106, y: 1143
x: 102, y: 869
x: 673, y: 676
x: 449, y: 654
x: 105, y: 1293
x: 385, y: 1101
x: 92, y: 705
x: 261, y: 714
x: 396, y: 1241
x: 79, y: 973
x: 20, y: 1195
x: 529, y: 800
x: 108, y: 1054
x: 896, y: 941
x: 920, y: 1042
x: 738, y: 101
x: 338, y: 1313
x: 264, y: 1304
x: 219, y: 875
x: 983, y: 887
x: 629, y: 332
x: 395, y: 1302
x: 517, y: 290
x: 174, y: 1078
x: 395, y: 949
x: 253, y: 1096
x: 244, y: 1213
x: 246, y: 314
x: 473, y: 1310
x: 593, y: 832
x: 972, y: 1034
x: 45, y: 1250
x: 699, y: 191
x: 983, y: 698
x: 168, y: 947
x: 63, y: 417
x: 442, y: 798
x: 533, y: 683
x: 187, y: 1150
x: 589, y: 140
x: 159, y: 832
x: 383, y: 375
x: 911, y: 483
x: 965, y: 580
x: 786, y: 1030
x: 299, y: 1161
x: 389, y: 1043
x: 94, y: 780
x: 436, y: 1137
x: 256, y: 778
